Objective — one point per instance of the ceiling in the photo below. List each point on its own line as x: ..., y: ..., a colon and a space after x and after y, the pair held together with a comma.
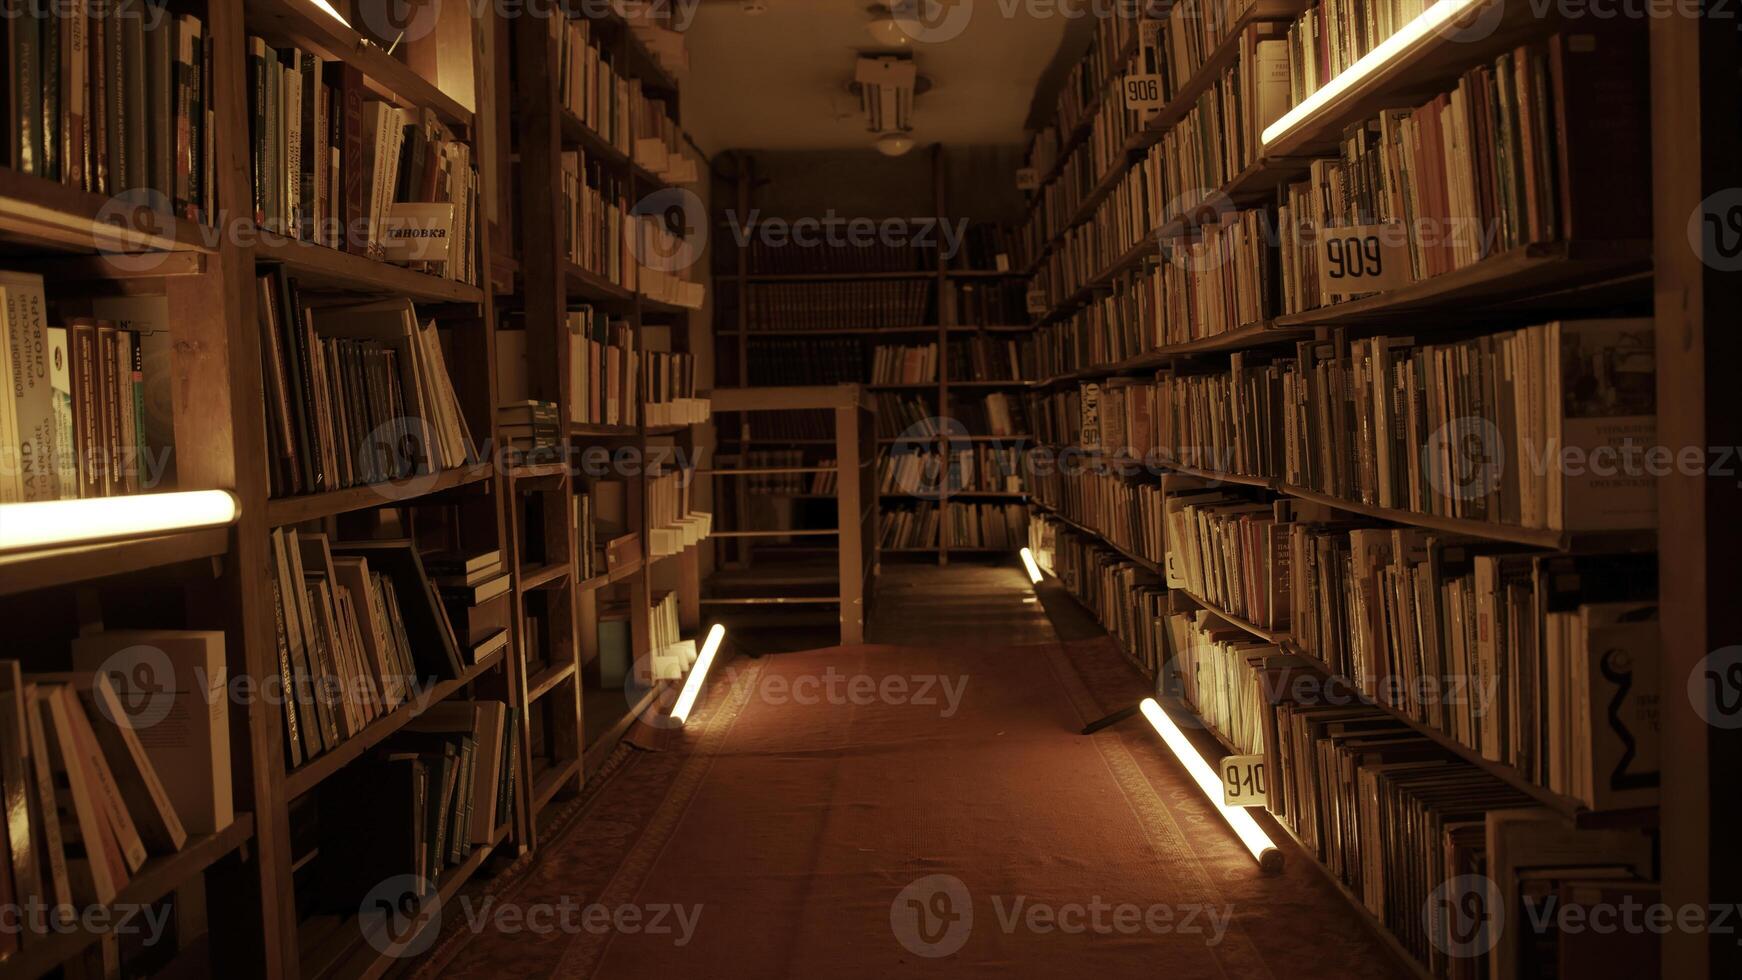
x: 776, y: 80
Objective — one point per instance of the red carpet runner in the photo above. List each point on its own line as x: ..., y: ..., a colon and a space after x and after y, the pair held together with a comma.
x: 899, y: 811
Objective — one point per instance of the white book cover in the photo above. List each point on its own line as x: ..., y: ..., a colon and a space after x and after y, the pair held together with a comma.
x: 27, y: 380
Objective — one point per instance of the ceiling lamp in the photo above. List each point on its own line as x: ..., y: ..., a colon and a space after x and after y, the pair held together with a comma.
x: 894, y: 144
x: 893, y: 25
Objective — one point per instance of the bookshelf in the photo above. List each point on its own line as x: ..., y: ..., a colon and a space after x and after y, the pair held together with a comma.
x: 1128, y: 310
x: 258, y: 911
x: 584, y: 699
x: 939, y: 318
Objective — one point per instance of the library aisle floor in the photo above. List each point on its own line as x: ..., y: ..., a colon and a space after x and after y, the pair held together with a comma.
x: 882, y: 810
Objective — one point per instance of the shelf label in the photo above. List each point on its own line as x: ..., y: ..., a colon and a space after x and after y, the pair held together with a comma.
x: 1037, y: 304
x: 1363, y: 259
x: 1243, y: 781
x: 1027, y: 179
x: 1143, y: 92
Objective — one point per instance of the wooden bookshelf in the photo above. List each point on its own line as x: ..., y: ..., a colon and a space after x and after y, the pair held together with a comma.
x: 281, y: 511
x: 45, y: 568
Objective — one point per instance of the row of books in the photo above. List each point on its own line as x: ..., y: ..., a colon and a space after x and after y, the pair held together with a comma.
x: 88, y: 411
x: 597, y: 223
x: 998, y: 414
x: 1087, y: 82
x: 1086, y: 251
x: 531, y: 430
x: 1544, y: 427
x: 1001, y: 527
x: 334, y: 168
x: 1480, y: 169
x: 418, y: 804
x: 590, y: 87
x: 775, y: 258
x: 103, y: 771
x: 1405, y: 825
x: 1122, y: 511
x: 604, y: 368
x: 1210, y: 666
x: 779, y: 361
x: 1126, y: 598
x: 356, y: 393
x: 982, y: 304
x: 907, y: 364
x: 848, y: 305
x: 360, y: 632
x: 922, y: 472
x: 1099, y: 155
x: 113, y: 99
x: 603, y: 541
x: 809, y: 425
x: 986, y: 247
x: 986, y: 358
x: 1489, y: 647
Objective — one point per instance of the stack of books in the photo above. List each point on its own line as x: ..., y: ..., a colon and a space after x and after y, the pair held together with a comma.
x: 531, y: 430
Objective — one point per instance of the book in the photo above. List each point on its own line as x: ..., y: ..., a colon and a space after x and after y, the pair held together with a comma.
x: 181, y: 718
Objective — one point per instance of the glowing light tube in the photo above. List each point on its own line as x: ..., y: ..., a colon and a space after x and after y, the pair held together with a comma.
x: 1033, y: 569
x: 54, y: 523
x: 1246, y: 828
x: 692, y: 686
x: 1391, y: 49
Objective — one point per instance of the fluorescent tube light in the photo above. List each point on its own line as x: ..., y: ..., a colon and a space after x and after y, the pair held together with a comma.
x: 54, y: 523
x: 1437, y: 15
x: 1246, y: 828
x: 1033, y: 569
x: 327, y: 9
x: 692, y: 687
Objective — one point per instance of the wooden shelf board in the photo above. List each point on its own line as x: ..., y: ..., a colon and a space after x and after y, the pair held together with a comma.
x: 313, y: 772
x: 578, y: 135
x: 624, y: 572
x: 598, y: 430
x: 1141, y: 561
x: 39, y: 213
x: 548, y: 680
x: 317, y: 267
x: 159, y: 876
x: 1513, y: 275
x: 1251, y: 336
x: 1416, y: 74
x: 538, y: 471
x: 308, y: 507
x: 531, y: 577
x: 1535, y: 537
x: 28, y: 571
x: 953, y: 494
x: 958, y: 329
x: 303, y: 23
x: 584, y: 284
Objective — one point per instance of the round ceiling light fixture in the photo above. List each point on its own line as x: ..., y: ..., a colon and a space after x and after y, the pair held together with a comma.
x: 893, y: 28
x: 894, y: 144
